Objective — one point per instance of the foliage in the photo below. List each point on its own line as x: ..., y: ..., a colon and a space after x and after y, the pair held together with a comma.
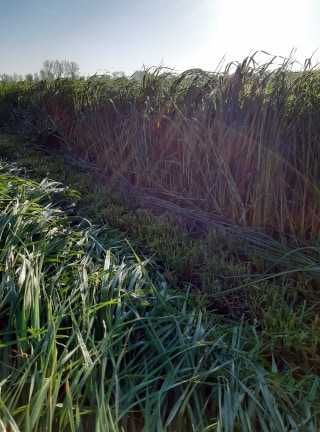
x: 242, y: 143
x: 54, y: 69
x: 93, y: 337
x: 216, y: 332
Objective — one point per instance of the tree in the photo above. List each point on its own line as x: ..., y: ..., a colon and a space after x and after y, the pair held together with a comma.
x: 11, y: 78
x: 54, y: 69
x: 71, y: 69
x: 118, y: 74
x: 5, y: 77
x: 29, y: 77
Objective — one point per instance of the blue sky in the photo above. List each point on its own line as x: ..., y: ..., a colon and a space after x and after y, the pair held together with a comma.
x: 125, y: 34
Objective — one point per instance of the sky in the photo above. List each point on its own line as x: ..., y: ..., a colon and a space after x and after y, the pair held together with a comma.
x: 125, y: 35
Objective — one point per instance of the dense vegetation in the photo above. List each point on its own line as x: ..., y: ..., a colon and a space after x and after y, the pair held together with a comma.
x: 220, y: 329
x: 243, y: 145
x: 92, y: 336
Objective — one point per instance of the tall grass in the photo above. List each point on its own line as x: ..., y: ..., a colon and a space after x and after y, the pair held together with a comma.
x: 242, y: 143
x: 93, y: 338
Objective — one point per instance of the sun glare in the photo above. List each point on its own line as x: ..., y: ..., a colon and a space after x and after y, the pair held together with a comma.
x: 273, y: 25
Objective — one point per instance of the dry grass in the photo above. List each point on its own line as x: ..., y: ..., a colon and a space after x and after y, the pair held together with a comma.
x: 242, y: 144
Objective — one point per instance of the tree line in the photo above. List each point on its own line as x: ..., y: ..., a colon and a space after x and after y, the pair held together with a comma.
x: 51, y: 69
x: 55, y: 69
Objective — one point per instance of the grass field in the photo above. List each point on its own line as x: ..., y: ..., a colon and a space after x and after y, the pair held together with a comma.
x: 116, y: 316
x: 94, y: 336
